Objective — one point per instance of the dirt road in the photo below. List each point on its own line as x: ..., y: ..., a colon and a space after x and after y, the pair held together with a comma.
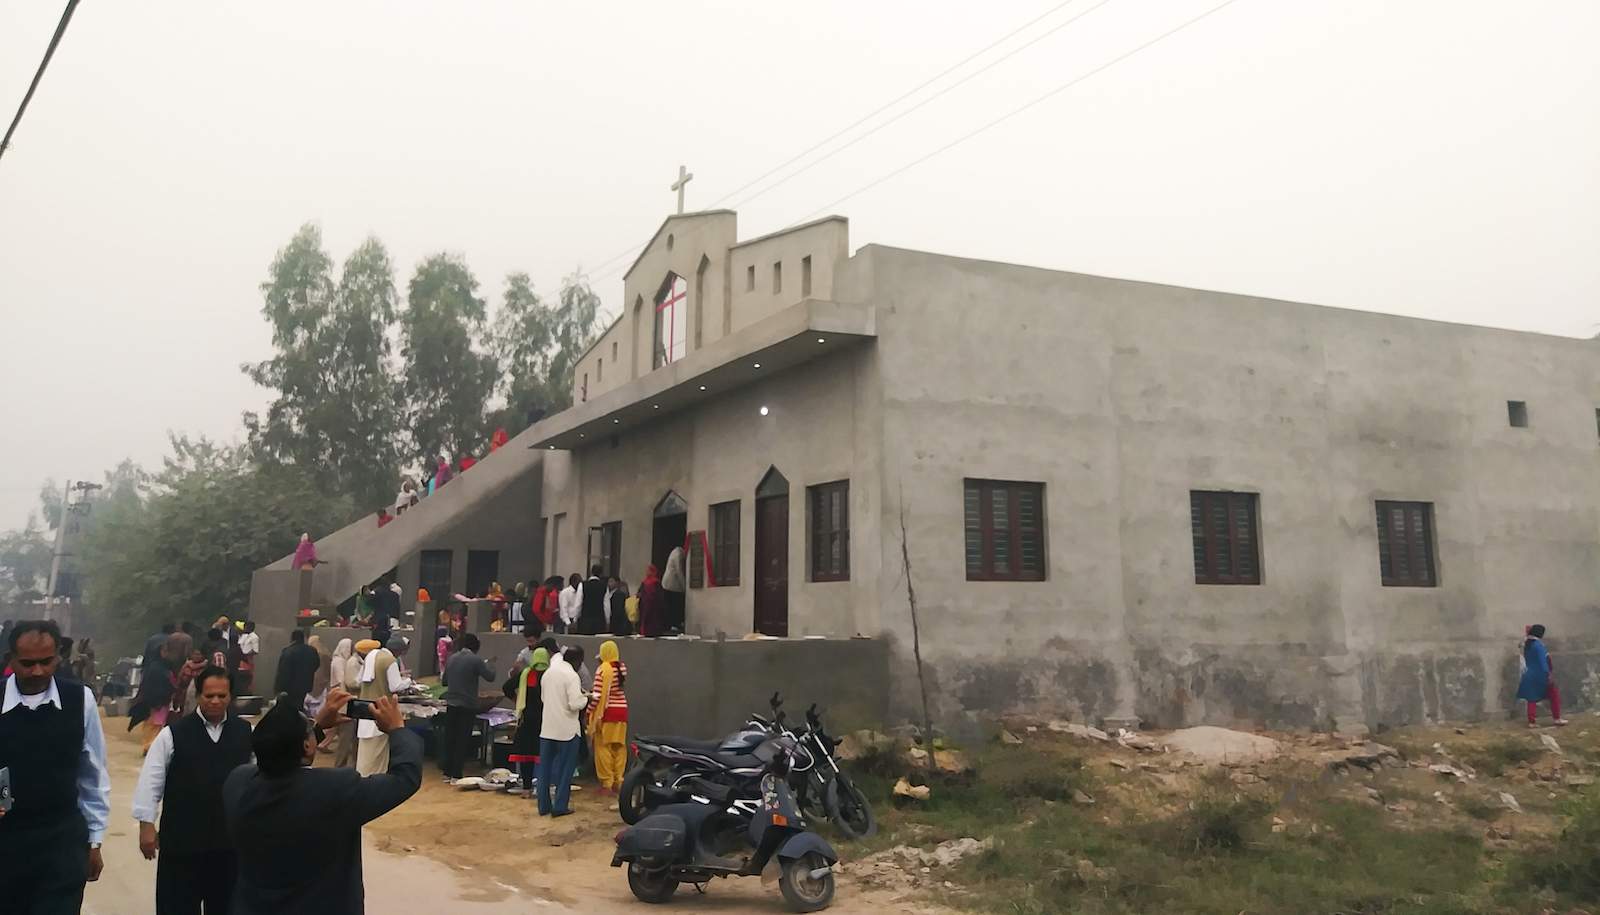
x: 468, y: 852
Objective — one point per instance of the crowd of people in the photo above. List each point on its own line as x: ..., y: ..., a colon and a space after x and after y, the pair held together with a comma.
x: 434, y: 477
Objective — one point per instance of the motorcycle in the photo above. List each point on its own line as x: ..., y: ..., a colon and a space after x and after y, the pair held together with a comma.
x: 695, y: 842
x: 675, y: 769
x: 828, y: 785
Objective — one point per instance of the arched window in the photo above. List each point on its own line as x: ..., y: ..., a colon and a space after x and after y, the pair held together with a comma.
x: 671, y: 322
x: 700, y: 299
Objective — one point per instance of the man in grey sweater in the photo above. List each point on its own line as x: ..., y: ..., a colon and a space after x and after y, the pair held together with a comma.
x: 460, y: 678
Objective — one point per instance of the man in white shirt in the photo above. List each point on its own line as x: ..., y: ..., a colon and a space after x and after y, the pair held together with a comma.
x: 194, y: 754
x: 52, y: 745
x: 571, y: 602
x: 249, y: 647
x: 564, y: 698
x: 380, y: 677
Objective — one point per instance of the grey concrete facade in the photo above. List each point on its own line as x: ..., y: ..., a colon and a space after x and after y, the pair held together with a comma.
x: 907, y: 373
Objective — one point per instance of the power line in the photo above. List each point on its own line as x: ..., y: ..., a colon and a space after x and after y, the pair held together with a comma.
x: 882, y: 108
x: 1016, y: 111
x: 905, y: 95
x: 918, y: 106
x: 61, y: 29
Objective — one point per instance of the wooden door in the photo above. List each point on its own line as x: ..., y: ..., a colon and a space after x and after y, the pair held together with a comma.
x: 772, y: 566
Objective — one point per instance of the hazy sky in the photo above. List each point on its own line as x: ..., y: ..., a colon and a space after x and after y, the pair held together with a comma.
x: 1431, y: 158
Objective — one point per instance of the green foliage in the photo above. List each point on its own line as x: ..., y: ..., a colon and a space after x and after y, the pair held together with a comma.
x: 447, y: 381
x: 50, y: 503
x: 24, y: 563
x: 336, y: 415
x: 1571, y: 866
x: 1220, y: 819
x: 537, y: 346
x: 1022, y: 777
x: 185, y: 549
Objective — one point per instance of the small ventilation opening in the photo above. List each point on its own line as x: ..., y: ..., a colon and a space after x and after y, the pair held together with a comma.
x: 1517, y: 413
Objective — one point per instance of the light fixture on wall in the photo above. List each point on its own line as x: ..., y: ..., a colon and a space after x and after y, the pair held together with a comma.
x: 655, y: 406
x: 615, y: 421
x: 702, y: 387
x: 822, y: 339
x: 764, y: 410
x: 758, y: 365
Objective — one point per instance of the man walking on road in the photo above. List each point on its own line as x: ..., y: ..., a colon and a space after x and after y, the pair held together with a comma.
x: 183, y: 776
x: 54, y: 752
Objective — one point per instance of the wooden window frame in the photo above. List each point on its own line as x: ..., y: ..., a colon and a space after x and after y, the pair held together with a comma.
x: 1207, y: 544
x: 725, y: 521
x: 1414, y: 547
x: 820, y: 532
x: 1015, y: 535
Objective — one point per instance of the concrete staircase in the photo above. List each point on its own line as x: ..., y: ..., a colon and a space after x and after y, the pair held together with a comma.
x: 361, y: 551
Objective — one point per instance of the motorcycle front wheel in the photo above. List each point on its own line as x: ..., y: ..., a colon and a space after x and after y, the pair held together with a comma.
x: 803, y: 892
x: 652, y: 886
x: 849, y: 810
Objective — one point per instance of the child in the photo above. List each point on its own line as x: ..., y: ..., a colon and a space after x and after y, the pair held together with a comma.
x: 608, y: 719
x: 1537, y: 680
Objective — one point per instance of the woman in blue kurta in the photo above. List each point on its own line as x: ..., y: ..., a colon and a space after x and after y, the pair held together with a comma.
x: 1537, y: 682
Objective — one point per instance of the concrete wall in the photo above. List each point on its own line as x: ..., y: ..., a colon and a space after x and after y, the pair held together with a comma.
x: 826, y: 242
x: 1121, y: 397
x: 820, y: 428
x: 707, y: 688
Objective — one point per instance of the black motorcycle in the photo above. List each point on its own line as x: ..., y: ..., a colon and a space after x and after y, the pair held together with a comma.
x: 670, y: 770
x: 830, y: 787
x: 694, y: 842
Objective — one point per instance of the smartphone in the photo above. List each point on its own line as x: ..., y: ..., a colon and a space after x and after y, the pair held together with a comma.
x: 359, y: 708
x: 5, y: 790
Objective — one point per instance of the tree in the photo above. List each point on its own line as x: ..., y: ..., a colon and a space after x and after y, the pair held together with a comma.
x: 363, y: 410
x: 574, y: 331
x: 447, y: 381
x: 337, y: 413
x: 187, y: 547
x: 521, y: 341
x: 24, y: 563
x: 297, y: 298
x: 50, y: 502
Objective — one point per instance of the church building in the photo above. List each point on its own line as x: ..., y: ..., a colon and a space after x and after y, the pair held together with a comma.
x: 1113, y: 499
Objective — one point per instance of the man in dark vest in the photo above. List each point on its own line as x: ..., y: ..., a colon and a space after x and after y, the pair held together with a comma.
x: 183, y: 775
x: 54, y: 752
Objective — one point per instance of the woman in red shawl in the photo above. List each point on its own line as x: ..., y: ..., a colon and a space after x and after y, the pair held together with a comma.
x: 499, y: 438
x: 652, y: 604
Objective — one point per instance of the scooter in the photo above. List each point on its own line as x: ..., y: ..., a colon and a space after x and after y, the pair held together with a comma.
x: 692, y: 843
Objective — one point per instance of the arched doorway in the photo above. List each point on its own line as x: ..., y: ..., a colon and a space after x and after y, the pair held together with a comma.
x: 772, y: 555
x: 669, y: 529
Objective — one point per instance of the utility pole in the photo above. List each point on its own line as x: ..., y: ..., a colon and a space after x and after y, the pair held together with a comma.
x: 55, y: 557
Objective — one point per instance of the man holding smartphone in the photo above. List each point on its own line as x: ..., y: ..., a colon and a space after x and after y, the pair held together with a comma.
x: 297, y: 830
x: 182, y: 776
x: 54, y: 751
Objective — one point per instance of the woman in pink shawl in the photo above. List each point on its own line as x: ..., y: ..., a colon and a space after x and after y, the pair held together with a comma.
x: 442, y: 475
x: 305, y: 553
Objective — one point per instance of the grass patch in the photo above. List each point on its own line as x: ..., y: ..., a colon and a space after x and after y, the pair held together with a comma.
x: 1571, y: 866
x: 1220, y: 819
x: 1495, y: 758
x: 1479, y: 808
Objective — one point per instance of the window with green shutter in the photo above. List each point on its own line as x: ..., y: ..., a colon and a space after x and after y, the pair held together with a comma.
x: 1004, y: 528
